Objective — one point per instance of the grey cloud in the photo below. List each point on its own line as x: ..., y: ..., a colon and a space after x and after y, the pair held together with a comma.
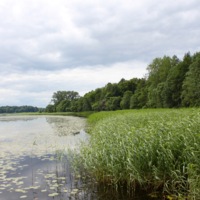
x: 41, y: 38
x: 92, y: 35
x: 16, y: 88
x: 129, y: 34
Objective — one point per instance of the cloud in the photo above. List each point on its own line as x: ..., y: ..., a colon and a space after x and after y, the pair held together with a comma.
x: 63, y: 34
x: 37, y: 87
x: 44, y: 42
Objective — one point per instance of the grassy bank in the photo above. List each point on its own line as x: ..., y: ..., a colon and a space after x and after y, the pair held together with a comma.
x: 153, y: 149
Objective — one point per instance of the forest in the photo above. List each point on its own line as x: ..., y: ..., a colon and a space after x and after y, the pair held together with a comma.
x: 169, y: 83
x: 18, y: 109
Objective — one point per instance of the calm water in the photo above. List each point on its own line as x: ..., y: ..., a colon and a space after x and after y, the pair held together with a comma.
x: 34, y: 161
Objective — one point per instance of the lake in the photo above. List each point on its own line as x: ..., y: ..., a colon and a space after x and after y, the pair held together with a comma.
x: 31, y: 166
x: 34, y: 160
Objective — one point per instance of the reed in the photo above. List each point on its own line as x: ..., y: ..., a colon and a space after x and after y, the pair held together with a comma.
x: 156, y: 150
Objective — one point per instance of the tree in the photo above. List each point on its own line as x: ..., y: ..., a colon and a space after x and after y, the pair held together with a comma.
x: 64, y: 95
x: 50, y: 108
x: 125, y: 102
x: 86, y: 105
x: 139, y: 98
x: 170, y: 83
x: 111, y: 90
x: 158, y: 72
x: 123, y: 86
x: 19, y: 109
x: 113, y: 103
x: 63, y: 100
x: 191, y: 84
x: 63, y: 106
x: 174, y: 82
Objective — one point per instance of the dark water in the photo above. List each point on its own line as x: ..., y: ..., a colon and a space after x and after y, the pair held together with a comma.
x: 34, y: 162
x: 38, y: 178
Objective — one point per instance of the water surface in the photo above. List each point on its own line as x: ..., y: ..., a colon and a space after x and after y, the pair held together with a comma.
x: 34, y: 161
x: 33, y: 156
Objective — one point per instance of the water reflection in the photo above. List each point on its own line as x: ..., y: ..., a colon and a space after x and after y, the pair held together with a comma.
x: 39, y: 135
x: 12, y: 118
x: 27, y: 156
x: 66, y: 126
x: 48, y: 178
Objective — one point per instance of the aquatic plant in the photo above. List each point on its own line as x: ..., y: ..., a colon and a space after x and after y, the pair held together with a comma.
x: 156, y: 150
x: 33, y: 161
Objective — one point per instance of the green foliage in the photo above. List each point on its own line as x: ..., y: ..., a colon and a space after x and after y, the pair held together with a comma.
x: 19, y: 109
x: 153, y: 149
x: 158, y: 73
x: 64, y: 95
x: 139, y: 98
x: 191, y: 84
x: 113, y: 103
x: 84, y: 104
x: 158, y: 70
x: 125, y: 102
x: 174, y: 82
x: 63, y: 101
x: 50, y: 108
x: 63, y: 106
x: 170, y: 83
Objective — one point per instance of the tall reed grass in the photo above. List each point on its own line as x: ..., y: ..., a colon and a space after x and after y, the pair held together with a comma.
x: 156, y: 150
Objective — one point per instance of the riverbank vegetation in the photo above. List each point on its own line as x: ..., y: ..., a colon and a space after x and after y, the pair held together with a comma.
x: 156, y: 150
x: 169, y: 83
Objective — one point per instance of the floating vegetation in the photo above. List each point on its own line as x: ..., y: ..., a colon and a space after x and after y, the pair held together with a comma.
x: 33, y: 161
x: 74, y: 191
x: 53, y: 194
x: 20, y: 190
x: 23, y: 197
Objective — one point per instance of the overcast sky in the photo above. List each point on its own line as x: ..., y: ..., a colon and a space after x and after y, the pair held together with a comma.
x: 51, y: 45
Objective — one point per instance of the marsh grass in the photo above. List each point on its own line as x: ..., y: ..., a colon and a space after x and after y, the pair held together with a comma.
x: 154, y: 150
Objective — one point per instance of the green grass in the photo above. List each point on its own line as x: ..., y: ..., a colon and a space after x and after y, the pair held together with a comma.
x: 154, y: 149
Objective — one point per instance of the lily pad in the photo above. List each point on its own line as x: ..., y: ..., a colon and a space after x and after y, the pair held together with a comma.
x: 53, y: 194
x: 23, y: 197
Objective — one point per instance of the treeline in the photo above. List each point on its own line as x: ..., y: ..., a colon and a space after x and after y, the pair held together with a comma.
x: 19, y: 109
x: 169, y: 83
